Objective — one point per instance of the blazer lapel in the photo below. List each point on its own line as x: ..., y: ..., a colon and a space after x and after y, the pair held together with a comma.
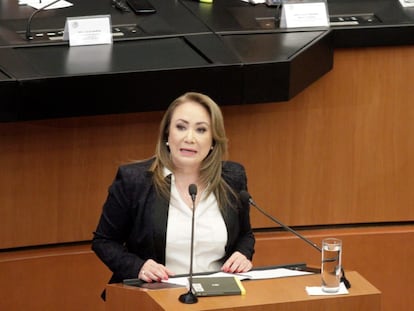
x: 159, y: 220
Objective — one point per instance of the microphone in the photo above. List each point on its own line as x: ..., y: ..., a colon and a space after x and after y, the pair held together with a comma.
x: 29, y: 21
x: 192, y: 190
x: 190, y: 297
x: 245, y: 197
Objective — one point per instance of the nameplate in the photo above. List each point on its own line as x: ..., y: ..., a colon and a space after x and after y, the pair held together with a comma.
x: 304, y: 14
x: 407, y: 3
x: 88, y: 30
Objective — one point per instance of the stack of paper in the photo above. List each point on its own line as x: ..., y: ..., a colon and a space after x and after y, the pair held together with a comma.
x: 37, y: 4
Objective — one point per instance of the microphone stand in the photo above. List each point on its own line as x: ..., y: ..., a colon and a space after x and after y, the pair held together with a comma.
x: 29, y: 21
x: 245, y: 197
x: 284, y: 226
x: 190, y: 297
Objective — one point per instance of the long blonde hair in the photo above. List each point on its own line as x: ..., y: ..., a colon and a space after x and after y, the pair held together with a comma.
x: 211, y: 166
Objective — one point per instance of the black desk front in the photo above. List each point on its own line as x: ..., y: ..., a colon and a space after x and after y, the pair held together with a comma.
x: 155, y: 58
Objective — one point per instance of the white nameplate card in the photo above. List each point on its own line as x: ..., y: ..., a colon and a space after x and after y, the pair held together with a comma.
x: 88, y: 30
x: 46, y: 4
x: 407, y: 3
x: 304, y: 14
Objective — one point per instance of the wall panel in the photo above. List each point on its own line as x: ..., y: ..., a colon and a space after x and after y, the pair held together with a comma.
x: 48, y: 279
x: 72, y: 278
x: 339, y: 152
x: 383, y: 255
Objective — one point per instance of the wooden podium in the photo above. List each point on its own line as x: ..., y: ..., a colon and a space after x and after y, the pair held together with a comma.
x: 281, y: 294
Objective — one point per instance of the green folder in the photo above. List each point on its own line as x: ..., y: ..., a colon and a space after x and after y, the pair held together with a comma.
x: 217, y: 286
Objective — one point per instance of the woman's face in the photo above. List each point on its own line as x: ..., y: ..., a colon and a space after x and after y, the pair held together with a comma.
x: 190, y: 136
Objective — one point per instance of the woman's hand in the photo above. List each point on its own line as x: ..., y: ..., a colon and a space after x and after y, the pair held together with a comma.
x: 237, y: 263
x: 151, y: 271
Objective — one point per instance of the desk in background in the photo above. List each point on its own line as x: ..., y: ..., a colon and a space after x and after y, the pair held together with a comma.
x: 155, y: 58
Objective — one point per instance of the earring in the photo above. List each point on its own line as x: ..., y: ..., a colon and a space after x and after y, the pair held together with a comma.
x: 167, y: 144
x: 212, y: 147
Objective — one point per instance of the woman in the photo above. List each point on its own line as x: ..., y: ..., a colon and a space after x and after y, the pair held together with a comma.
x: 145, y: 227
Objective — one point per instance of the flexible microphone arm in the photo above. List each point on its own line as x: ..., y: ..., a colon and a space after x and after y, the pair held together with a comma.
x: 29, y: 21
x: 245, y: 197
x: 190, y: 297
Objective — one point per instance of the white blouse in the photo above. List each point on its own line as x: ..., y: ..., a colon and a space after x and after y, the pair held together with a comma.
x: 210, y: 234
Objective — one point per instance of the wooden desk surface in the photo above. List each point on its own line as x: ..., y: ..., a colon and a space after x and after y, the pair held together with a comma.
x: 286, y: 294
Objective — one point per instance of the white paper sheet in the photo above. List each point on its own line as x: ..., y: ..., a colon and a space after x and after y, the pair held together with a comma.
x: 251, y: 275
x: 37, y: 4
x: 317, y: 291
x: 407, y: 3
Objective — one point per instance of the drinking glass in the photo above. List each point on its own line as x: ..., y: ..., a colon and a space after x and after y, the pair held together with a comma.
x: 331, y: 264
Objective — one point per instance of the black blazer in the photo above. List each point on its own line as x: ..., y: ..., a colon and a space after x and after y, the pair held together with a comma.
x: 132, y: 227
